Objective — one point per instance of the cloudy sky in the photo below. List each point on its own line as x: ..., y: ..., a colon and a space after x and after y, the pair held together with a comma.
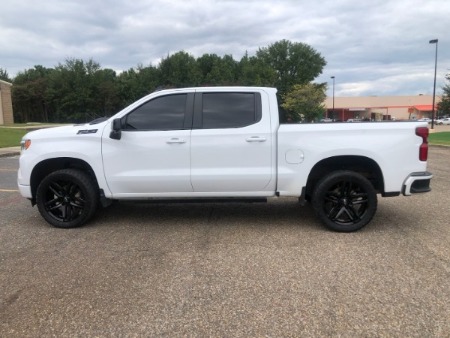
x: 372, y: 47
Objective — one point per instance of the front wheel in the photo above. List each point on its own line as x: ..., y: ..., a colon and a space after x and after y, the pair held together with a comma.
x: 345, y: 201
x: 67, y: 198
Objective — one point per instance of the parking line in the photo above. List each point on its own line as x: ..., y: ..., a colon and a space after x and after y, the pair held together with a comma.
x: 8, y: 190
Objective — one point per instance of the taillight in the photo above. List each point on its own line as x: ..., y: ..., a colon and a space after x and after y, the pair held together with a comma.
x: 423, y: 150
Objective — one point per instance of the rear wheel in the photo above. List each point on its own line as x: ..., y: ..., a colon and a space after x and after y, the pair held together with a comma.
x: 67, y: 198
x: 345, y: 201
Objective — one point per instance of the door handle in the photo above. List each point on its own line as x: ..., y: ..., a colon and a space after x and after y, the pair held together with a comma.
x: 176, y: 141
x: 255, y: 139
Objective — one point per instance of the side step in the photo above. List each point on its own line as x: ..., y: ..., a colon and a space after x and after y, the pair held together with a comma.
x: 206, y: 200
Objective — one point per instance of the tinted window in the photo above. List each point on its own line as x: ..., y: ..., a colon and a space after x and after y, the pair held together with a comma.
x: 230, y: 110
x: 161, y: 113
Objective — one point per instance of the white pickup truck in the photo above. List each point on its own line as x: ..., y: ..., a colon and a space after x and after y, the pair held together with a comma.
x: 221, y: 143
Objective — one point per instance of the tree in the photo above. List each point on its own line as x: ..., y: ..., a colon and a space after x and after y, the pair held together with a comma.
x: 218, y: 70
x: 4, y: 75
x: 305, y: 102
x: 444, y: 105
x: 254, y: 71
x: 179, y: 70
x: 31, y: 101
x: 136, y: 83
x: 293, y: 62
x: 79, y: 90
x: 83, y: 91
x: 106, y: 100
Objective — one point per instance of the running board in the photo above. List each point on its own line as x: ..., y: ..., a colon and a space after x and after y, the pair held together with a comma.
x: 200, y: 200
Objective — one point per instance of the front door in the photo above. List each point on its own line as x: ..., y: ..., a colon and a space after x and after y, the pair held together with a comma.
x: 152, y: 157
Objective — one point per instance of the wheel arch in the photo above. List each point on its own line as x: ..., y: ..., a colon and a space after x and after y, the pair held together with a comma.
x: 360, y: 164
x: 45, y: 167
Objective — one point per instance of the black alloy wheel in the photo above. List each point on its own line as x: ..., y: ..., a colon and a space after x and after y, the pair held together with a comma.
x: 345, y: 201
x: 67, y: 198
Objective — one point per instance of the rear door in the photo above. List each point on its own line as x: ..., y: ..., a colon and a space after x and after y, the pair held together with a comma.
x: 231, y: 143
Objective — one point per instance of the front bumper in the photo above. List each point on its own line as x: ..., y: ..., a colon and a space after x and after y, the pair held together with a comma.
x: 25, y: 191
x: 417, y: 183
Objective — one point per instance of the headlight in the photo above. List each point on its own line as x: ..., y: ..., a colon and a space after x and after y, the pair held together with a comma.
x: 25, y: 144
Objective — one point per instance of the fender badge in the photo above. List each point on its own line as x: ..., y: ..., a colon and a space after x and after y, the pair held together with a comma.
x: 87, y: 131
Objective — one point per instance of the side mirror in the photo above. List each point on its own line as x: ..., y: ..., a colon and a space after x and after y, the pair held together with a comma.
x: 116, y: 132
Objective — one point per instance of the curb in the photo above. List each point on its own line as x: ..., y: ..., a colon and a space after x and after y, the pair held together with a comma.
x: 439, y: 145
x: 12, y: 154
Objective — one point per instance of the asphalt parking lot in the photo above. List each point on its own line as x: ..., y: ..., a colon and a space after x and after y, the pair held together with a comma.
x: 228, y: 270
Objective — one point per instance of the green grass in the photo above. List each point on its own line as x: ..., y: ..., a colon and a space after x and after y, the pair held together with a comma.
x: 11, y: 137
x: 442, y: 138
x: 21, y: 125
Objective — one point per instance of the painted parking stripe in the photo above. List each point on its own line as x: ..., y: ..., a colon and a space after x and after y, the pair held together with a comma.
x: 8, y: 190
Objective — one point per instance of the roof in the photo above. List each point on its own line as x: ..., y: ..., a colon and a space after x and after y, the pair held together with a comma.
x: 6, y: 83
x: 424, y: 107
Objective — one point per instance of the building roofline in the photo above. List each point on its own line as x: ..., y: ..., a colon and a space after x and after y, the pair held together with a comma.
x: 381, y: 107
x: 384, y: 96
x: 6, y: 83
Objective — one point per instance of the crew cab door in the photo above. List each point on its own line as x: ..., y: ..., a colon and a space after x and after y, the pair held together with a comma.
x: 231, y: 143
x: 152, y: 155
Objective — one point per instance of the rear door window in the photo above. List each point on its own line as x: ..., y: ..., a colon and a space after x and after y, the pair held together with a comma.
x: 227, y: 110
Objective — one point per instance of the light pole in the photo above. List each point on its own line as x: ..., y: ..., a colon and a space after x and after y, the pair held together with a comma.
x: 333, y: 97
x: 435, y: 41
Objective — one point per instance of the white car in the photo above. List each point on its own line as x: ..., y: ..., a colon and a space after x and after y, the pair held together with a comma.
x: 445, y: 121
x: 425, y: 119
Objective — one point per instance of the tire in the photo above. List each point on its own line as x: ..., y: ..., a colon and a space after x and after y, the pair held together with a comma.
x: 67, y: 198
x: 344, y: 201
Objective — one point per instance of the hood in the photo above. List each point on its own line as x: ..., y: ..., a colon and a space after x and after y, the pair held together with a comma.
x: 66, y: 131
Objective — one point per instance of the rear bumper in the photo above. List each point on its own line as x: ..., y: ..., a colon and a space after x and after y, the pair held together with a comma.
x: 417, y: 183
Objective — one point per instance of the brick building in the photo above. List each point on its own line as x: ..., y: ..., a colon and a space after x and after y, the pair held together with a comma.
x: 6, y: 110
x: 378, y: 108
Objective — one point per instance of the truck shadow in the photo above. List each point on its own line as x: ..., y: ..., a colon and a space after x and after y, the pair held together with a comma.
x: 283, y: 212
